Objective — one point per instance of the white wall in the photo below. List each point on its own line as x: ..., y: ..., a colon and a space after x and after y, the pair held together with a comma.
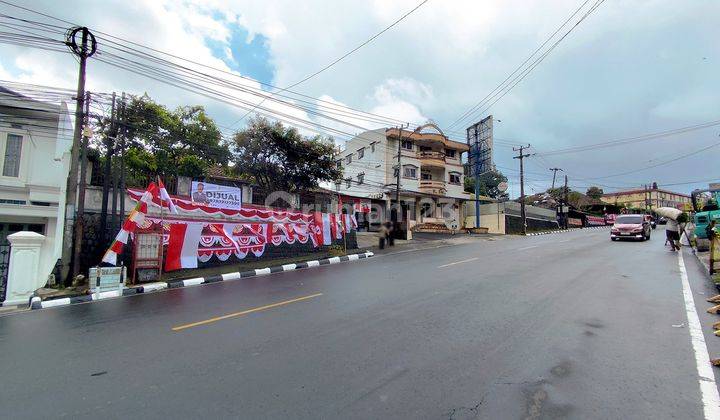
x: 46, y: 133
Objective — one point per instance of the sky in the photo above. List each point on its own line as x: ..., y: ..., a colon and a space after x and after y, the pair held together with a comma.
x: 630, y: 68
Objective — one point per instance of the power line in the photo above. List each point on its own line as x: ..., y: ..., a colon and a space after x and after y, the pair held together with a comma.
x: 306, y: 78
x: 479, y: 104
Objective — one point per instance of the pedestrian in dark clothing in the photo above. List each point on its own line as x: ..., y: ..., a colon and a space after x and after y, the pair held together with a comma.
x: 390, y: 233
x: 382, y: 236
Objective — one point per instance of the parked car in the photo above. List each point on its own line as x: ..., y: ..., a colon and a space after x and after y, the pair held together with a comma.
x: 630, y: 226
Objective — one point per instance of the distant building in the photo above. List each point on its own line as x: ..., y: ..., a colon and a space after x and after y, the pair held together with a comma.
x: 650, y: 198
x: 431, y: 173
x: 35, y: 142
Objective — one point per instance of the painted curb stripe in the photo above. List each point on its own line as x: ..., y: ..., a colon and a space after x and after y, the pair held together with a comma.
x: 193, y: 282
x: 37, y: 303
x: 231, y: 276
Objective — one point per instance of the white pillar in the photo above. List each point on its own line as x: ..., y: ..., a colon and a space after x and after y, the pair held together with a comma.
x: 23, y: 275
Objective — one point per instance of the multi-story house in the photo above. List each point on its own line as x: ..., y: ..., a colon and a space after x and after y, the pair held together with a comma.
x: 650, y: 198
x: 431, y: 182
x: 35, y: 142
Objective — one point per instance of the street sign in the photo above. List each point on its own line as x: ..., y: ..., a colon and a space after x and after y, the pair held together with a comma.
x: 106, y: 278
x: 502, y: 187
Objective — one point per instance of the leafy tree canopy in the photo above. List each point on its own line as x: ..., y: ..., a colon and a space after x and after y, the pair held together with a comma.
x: 184, y: 141
x: 594, y: 193
x: 279, y: 158
x: 489, y: 182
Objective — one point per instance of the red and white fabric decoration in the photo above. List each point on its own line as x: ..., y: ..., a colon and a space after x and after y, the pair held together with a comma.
x: 165, y: 197
x: 135, y: 220
x: 226, y: 231
x: 182, y: 251
x: 322, y: 231
x: 349, y: 222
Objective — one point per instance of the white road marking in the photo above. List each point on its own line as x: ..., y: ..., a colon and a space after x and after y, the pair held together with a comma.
x: 708, y: 389
x: 527, y: 247
x: 566, y: 240
x: 457, y: 262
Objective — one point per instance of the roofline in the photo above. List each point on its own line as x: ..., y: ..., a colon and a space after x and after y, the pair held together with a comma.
x: 628, y: 192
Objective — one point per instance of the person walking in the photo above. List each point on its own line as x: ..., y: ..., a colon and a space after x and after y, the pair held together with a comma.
x: 382, y: 235
x: 672, y: 233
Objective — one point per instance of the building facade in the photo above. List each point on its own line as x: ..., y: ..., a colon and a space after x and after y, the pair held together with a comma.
x: 431, y: 174
x: 35, y: 142
x: 649, y: 199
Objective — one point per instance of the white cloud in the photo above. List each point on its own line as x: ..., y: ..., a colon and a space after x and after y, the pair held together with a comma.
x: 631, y: 68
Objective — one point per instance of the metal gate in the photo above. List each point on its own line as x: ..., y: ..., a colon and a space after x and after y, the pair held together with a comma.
x: 4, y: 266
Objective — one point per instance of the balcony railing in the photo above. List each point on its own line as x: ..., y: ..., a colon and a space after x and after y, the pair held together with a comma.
x: 429, y: 154
x: 433, y: 187
x: 431, y: 158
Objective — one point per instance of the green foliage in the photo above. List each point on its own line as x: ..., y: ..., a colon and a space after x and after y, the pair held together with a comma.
x: 594, y: 193
x: 185, y: 141
x: 280, y: 159
x: 489, y: 182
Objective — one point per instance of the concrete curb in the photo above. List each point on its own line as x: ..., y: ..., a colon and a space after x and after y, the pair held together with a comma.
x: 566, y: 230
x: 36, y: 303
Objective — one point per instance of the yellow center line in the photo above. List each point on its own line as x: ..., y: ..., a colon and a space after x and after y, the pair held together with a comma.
x: 241, y: 313
x: 457, y: 262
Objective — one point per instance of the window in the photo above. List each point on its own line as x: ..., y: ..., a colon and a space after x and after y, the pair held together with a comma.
x: 450, y: 153
x: 361, y: 153
x: 425, y: 149
x: 348, y: 159
x: 348, y: 182
x: 407, y: 145
x: 455, y: 178
x: 410, y: 171
x: 339, y: 164
x: 361, y: 178
x: 13, y: 146
x: 372, y: 147
x: 426, y: 176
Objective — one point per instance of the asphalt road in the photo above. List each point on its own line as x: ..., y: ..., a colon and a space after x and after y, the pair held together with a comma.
x: 555, y: 326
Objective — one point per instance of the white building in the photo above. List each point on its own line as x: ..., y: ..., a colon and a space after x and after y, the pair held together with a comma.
x: 431, y: 177
x: 35, y: 142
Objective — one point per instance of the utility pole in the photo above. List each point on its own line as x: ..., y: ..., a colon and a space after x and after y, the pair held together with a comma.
x: 109, y: 145
x: 521, y: 156
x: 399, y: 168
x: 566, y: 205
x: 87, y: 48
x: 476, y: 169
x: 82, y: 183
x: 122, y: 159
x: 555, y: 173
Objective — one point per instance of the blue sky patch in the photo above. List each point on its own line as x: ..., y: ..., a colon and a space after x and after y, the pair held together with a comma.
x: 252, y: 58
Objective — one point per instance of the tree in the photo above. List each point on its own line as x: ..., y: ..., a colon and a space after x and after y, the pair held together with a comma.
x: 184, y: 142
x: 594, y: 192
x: 278, y: 158
x: 489, y: 182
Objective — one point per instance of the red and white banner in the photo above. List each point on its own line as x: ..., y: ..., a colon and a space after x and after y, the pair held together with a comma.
x: 361, y: 206
x: 323, y: 232
x: 183, y: 242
